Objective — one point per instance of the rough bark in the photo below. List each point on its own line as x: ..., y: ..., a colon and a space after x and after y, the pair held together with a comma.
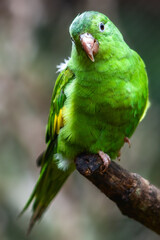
x: 134, y: 195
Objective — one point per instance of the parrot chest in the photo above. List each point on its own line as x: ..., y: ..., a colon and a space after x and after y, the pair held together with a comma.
x: 99, y: 114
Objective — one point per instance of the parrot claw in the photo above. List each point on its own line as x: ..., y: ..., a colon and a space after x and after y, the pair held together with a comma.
x: 106, y: 161
x: 127, y: 140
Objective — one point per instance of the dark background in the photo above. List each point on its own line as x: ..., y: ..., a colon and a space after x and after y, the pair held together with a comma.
x: 34, y: 39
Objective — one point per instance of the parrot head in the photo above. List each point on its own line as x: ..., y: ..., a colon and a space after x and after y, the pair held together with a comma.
x: 94, y: 34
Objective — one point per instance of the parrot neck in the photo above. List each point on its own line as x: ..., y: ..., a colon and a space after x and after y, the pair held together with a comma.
x: 104, y: 68
x: 107, y: 56
x: 80, y: 62
x: 88, y: 73
x: 104, y: 59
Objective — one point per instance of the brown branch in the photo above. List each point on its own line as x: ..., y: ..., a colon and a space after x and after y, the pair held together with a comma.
x: 134, y: 195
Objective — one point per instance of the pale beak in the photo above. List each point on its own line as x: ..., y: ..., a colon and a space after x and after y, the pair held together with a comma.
x: 89, y: 44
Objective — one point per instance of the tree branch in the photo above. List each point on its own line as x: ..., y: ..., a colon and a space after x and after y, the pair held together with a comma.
x: 134, y: 195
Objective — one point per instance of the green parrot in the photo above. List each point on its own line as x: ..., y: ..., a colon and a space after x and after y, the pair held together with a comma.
x: 99, y: 98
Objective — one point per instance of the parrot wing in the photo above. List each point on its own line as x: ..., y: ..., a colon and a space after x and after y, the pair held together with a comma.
x: 51, y: 177
x: 55, y: 120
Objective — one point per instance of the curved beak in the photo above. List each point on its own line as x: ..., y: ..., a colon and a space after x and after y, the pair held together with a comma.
x: 89, y: 44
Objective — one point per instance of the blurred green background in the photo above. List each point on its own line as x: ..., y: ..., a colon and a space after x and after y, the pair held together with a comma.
x: 34, y: 39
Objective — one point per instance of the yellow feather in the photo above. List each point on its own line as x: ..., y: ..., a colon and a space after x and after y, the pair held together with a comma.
x: 145, y: 110
x: 59, y: 121
x: 55, y: 123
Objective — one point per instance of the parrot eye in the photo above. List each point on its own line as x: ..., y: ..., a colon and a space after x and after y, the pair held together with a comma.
x: 101, y: 27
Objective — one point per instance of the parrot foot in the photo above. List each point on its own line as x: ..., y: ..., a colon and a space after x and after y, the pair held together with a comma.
x: 127, y: 140
x: 119, y: 156
x: 106, y: 160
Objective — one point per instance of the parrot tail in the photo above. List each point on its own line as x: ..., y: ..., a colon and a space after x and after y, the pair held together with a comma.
x: 49, y: 183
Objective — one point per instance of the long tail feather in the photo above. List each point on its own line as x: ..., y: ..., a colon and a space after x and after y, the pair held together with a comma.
x: 49, y: 183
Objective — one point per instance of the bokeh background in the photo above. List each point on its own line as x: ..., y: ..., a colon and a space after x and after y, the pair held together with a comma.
x: 34, y: 38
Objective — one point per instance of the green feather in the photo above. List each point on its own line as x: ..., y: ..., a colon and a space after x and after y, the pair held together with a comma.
x: 94, y: 106
x: 57, y: 101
